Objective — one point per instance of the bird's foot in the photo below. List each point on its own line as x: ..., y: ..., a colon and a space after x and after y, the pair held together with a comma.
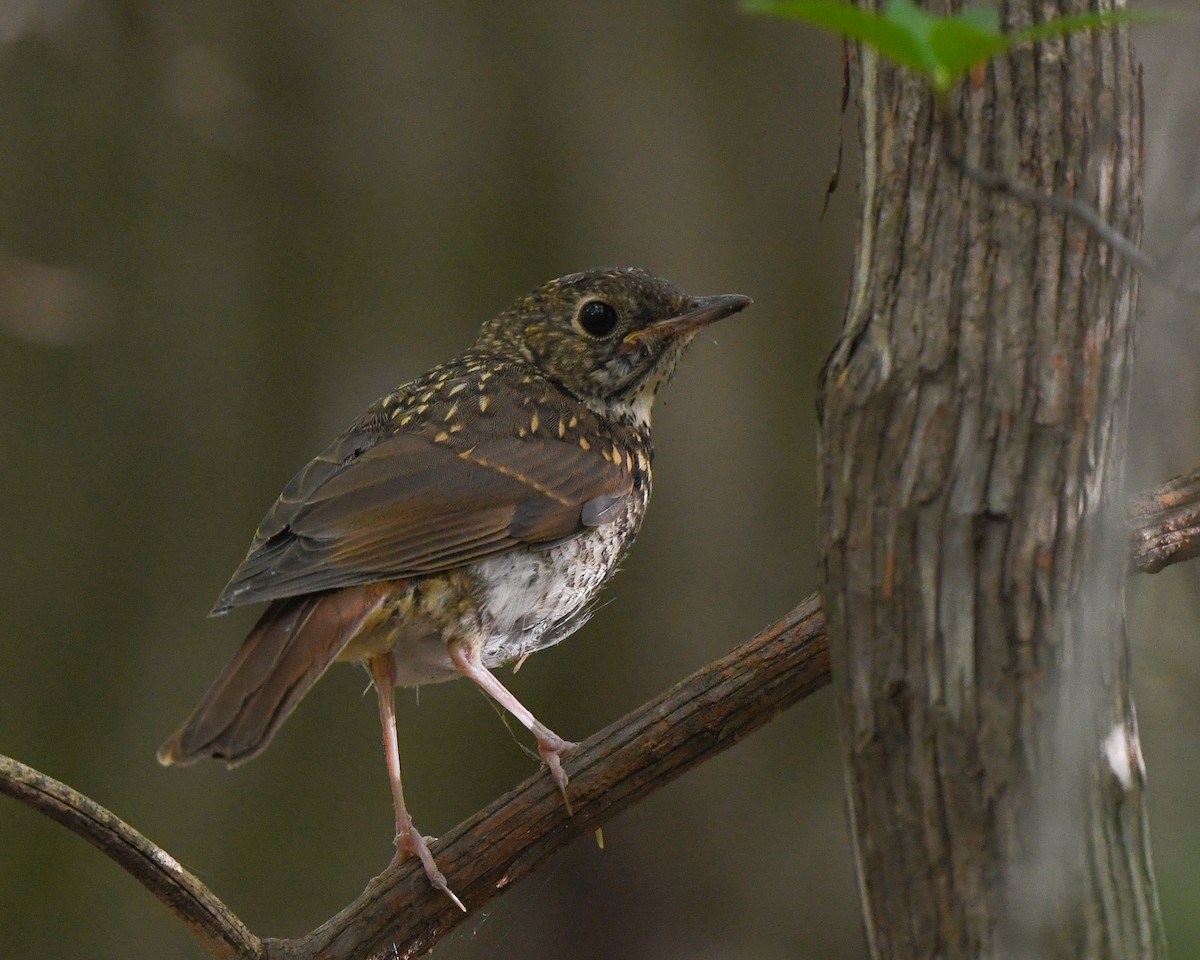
x: 410, y: 843
x: 551, y: 748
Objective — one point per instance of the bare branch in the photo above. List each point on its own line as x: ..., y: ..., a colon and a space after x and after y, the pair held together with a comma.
x: 399, y: 915
x: 220, y: 933
x: 1166, y: 524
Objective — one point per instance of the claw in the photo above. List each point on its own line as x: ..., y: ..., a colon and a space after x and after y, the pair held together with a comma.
x: 411, y: 842
x: 551, y: 751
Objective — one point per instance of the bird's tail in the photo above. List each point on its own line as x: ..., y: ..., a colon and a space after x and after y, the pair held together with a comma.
x: 290, y: 647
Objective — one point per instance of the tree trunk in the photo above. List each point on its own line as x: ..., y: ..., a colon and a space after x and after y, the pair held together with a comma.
x: 973, y: 432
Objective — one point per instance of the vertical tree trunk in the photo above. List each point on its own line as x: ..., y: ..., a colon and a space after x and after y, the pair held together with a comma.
x: 973, y: 430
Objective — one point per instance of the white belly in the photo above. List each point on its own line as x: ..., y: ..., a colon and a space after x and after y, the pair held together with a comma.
x: 521, y: 601
x: 535, y: 598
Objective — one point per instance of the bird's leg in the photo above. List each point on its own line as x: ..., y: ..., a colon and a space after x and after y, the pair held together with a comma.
x: 550, y: 745
x: 408, y: 838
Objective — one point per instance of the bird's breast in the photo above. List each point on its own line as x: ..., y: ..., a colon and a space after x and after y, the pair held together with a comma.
x: 536, y: 596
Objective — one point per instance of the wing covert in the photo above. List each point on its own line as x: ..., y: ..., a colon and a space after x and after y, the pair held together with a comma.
x: 421, y: 501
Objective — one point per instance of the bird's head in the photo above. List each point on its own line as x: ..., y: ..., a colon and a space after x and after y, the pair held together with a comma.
x: 609, y: 337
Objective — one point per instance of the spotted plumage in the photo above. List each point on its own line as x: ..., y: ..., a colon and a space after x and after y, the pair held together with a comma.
x: 463, y: 521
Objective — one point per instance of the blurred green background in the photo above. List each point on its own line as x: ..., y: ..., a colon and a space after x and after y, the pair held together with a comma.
x: 227, y: 227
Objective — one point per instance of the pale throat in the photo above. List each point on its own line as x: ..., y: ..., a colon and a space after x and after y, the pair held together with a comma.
x: 633, y: 410
x: 635, y: 406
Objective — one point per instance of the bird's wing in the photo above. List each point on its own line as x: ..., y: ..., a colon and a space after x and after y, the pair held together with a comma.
x: 370, y: 509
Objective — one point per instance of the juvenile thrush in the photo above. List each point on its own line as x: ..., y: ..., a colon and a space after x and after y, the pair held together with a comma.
x: 463, y: 521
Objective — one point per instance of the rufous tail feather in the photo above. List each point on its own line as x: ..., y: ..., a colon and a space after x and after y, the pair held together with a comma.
x: 290, y: 647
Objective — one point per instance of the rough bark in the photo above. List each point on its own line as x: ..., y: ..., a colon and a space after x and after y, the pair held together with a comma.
x: 1166, y: 524
x: 973, y: 429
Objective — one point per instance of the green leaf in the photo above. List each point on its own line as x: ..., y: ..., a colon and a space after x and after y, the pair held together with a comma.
x: 888, y: 38
x: 958, y: 46
x: 949, y: 45
x: 1081, y: 21
x: 919, y: 25
x: 906, y: 14
x: 983, y: 19
x: 942, y: 49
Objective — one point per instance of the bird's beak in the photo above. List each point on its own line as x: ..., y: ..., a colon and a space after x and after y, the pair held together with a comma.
x: 704, y: 310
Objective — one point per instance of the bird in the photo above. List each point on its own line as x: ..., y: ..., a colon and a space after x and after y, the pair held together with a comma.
x: 464, y: 521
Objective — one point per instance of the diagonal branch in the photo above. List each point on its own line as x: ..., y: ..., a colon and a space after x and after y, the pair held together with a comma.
x: 398, y: 915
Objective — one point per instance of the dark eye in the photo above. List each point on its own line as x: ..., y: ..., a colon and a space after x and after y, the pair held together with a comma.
x: 597, y: 318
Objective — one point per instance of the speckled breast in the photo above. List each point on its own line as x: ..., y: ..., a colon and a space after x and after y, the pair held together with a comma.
x: 532, y: 598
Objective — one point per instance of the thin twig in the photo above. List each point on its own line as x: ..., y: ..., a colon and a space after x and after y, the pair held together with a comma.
x: 1086, y: 214
x: 399, y: 915
x: 220, y: 933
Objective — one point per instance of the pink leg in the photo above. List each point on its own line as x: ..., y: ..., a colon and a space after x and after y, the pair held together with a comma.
x: 550, y: 745
x: 408, y: 839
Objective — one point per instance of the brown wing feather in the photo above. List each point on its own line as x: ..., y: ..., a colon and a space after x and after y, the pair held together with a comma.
x: 371, y: 509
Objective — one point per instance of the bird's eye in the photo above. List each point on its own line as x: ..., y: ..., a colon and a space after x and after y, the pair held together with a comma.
x: 597, y: 318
